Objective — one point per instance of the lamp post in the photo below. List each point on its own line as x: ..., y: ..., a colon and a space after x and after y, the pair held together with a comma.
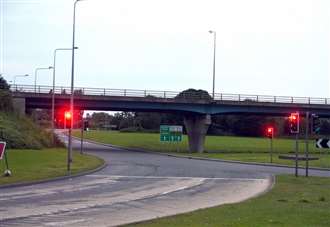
x: 19, y: 76
x: 72, y: 88
x: 214, y: 48
x: 53, y: 93
x: 35, y: 76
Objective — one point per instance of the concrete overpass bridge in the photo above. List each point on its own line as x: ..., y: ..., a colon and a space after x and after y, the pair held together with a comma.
x: 196, y: 110
x: 165, y: 101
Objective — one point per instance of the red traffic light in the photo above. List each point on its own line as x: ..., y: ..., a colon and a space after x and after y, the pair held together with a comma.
x: 293, y: 117
x: 294, y: 122
x: 67, y: 115
x: 270, y: 132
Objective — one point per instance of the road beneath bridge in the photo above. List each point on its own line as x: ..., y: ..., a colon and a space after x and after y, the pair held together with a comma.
x: 134, y: 186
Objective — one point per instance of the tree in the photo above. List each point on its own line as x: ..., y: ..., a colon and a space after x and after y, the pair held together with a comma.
x: 146, y: 120
x: 193, y: 95
x: 6, y: 103
x: 127, y: 121
x: 100, y: 120
x: 3, y: 84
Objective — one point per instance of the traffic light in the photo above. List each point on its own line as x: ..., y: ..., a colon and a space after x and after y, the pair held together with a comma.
x: 294, y: 122
x: 316, y: 124
x: 270, y: 132
x: 67, y: 119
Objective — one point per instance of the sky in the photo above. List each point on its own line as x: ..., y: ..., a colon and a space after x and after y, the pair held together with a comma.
x: 264, y: 47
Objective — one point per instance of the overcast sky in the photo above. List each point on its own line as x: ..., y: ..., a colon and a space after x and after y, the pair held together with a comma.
x: 272, y: 47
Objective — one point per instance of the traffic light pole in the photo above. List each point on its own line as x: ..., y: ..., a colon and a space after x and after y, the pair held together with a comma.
x: 271, y: 150
x: 82, y: 134
x: 296, y: 159
x: 306, y: 143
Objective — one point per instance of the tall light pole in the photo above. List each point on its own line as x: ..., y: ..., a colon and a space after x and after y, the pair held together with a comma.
x: 19, y: 76
x: 214, y: 48
x: 53, y: 93
x: 72, y: 87
x: 35, y: 76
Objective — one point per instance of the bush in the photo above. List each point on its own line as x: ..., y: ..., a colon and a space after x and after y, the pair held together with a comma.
x: 21, y: 132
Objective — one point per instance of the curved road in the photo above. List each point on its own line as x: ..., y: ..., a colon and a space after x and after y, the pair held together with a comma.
x: 134, y: 186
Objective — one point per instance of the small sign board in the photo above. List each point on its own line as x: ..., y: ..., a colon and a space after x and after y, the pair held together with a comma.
x: 2, y: 149
x: 171, y: 133
x: 323, y: 143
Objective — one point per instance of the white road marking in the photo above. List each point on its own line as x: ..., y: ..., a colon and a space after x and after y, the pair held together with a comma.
x: 175, y: 190
x: 178, y: 178
x: 63, y: 223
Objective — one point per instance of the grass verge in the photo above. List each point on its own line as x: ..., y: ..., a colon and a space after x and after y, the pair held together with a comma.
x: 292, y: 202
x: 222, y: 147
x: 34, y: 165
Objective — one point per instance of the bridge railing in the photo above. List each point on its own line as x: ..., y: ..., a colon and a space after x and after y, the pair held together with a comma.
x: 167, y: 94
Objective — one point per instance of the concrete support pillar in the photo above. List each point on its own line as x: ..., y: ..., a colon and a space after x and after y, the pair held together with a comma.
x: 19, y: 106
x: 197, y: 126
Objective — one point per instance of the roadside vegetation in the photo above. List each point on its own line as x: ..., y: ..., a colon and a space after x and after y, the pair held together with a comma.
x: 223, y: 147
x: 292, y: 202
x: 32, y: 153
x: 21, y: 132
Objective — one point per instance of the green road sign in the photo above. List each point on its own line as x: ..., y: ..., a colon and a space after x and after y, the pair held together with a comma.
x: 170, y: 133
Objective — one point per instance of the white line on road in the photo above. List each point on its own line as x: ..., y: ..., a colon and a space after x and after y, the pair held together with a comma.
x: 170, y: 177
x: 175, y: 190
x: 63, y: 223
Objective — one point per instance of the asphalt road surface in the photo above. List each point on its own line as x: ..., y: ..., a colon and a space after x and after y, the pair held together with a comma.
x: 134, y: 186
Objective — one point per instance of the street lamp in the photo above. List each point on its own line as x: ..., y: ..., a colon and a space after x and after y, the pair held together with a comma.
x: 214, y: 46
x: 35, y: 76
x: 53, y: 93
x: 19, y: 76
x: 72, y: 87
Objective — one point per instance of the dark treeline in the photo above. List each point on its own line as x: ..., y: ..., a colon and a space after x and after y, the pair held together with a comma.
x: 239, y: 125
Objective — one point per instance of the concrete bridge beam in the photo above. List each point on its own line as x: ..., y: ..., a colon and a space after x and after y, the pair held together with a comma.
x: 197, y: 126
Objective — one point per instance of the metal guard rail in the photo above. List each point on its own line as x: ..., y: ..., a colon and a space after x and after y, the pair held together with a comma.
x: 44, y: 89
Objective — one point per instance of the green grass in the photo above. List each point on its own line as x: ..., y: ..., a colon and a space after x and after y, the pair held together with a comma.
x: 223, y: 147
x: 33, y: 165
x: 292, y: 202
